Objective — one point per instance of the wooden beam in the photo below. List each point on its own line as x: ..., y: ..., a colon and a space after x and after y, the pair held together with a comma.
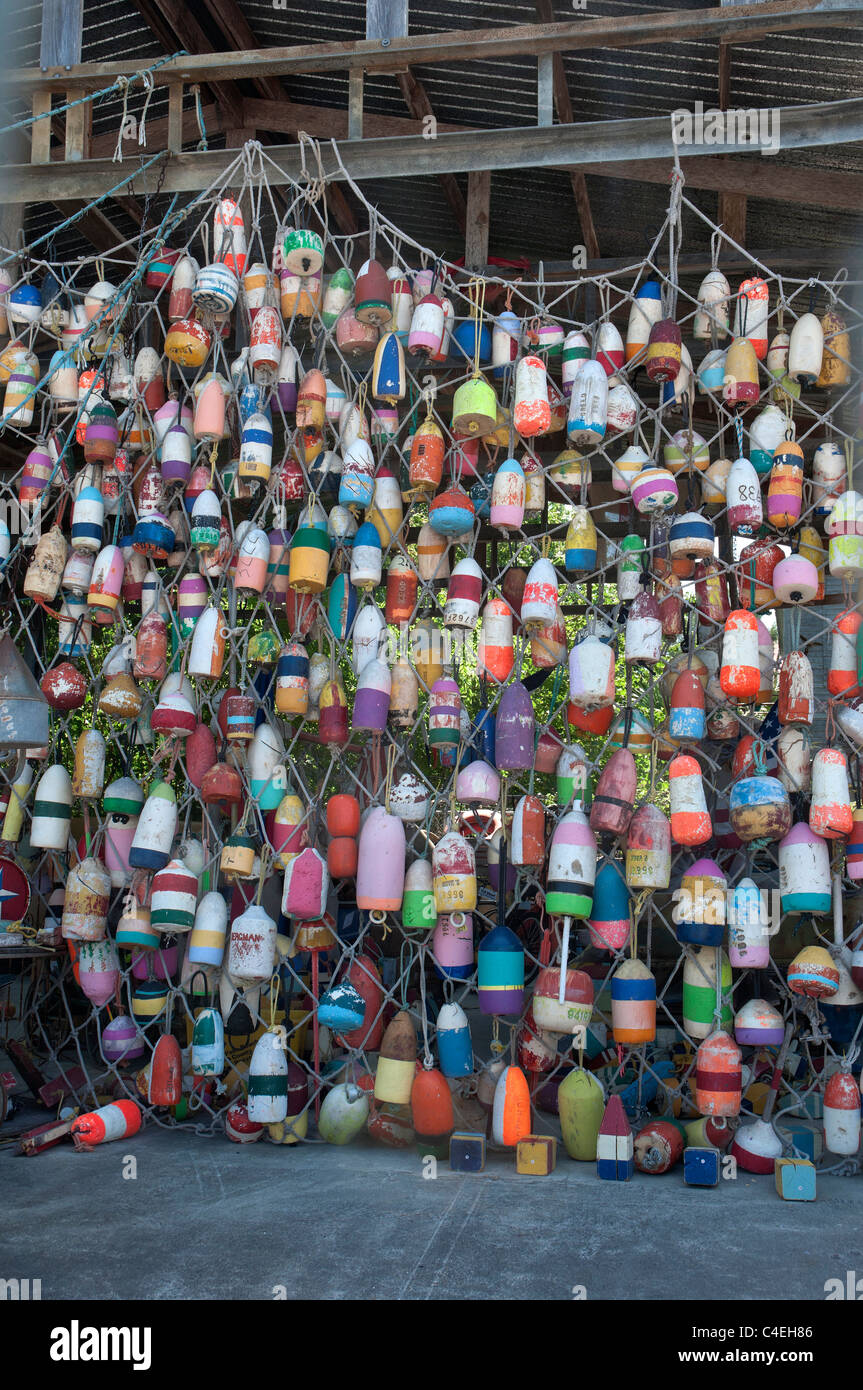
x: 386, y: 19
x: 175, y: 26
x: 325, y: 122
x: 62, y: 32
x: 417, y: 102
x: 478, y: 219
x: 731, y: 212
x: 617, y: 149
x: 566, y: 116
x: 236, y: 29
x: 733, y: 23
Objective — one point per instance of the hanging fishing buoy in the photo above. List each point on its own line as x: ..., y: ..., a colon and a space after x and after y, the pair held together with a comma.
x: 511, y: 1110
x: 571, y: 867
x: 830, y: 812
x: 804, y: 871
x: 500, y: 972
x: 514, y: 729
x: 718, y: 1076
x: 381, y: 862
x: 842, y: 1113
x: 699, y: 990
x: 690, y: 819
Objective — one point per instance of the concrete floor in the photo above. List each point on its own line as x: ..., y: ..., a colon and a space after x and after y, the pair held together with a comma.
x: 205, y: 1218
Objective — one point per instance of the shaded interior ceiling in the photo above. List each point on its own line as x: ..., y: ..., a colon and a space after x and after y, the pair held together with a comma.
x: 532, y: 211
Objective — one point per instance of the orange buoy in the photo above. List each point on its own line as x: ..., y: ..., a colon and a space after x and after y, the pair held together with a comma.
x: 511, y: 1109
x: 718, y: 1076
x: 166, y: 1072
x: 690, y: 819
x: 431, y: 1106
x: 740, y: 673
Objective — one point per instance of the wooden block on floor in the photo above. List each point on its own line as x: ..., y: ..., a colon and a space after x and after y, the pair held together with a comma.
x: 467, y: 1152
x: 701, y: 1167
x: 614, y: 1149
x: 537, y: 1154
x: 795, y: 1179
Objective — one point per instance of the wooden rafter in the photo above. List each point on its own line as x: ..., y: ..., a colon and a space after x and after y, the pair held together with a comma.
x: 175, y: 26
x: 417, y: 101
x: 727, y: 23
x: 563, y: 106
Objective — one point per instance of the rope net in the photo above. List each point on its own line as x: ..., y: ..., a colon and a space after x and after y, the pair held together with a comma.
x: 233, y: 384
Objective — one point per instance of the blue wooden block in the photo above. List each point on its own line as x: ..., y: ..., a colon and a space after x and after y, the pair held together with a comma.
x: 701, y: 1167
x: 795, y: 1179
x: 467, y: 1152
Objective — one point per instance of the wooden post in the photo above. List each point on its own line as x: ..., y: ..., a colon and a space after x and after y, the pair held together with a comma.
x: 731, y: 212
x: 175, y: 118
x: 386, y: 19
x: 78, y: 122
x: 355, y: 105
x: 477, y: 223
x: 40, y: 138
x: 545, y: 89
x: 62, y: 28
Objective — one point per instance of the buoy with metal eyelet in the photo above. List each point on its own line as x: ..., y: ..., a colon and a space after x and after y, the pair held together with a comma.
x: 251, y: 946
